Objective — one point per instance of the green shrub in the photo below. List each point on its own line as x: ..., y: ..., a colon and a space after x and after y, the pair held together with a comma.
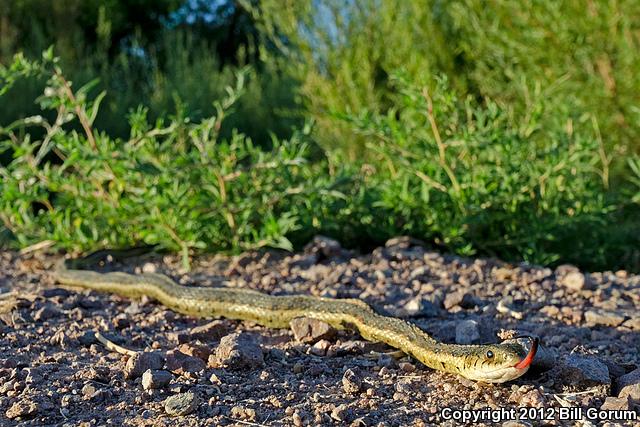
x: 175, y: 183
x: 458, y: 174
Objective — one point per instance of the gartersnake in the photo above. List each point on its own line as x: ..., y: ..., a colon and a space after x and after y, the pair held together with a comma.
x: 491, y: 363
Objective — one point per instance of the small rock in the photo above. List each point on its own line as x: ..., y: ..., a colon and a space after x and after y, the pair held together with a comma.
x: 581, y: 371
x: 149, y: 267
x: 211, y: 331
x: 595, y: 317
x: 629, y: 385
x: 89, y: 391
x: 507, y: 305
x: 532, y: 398
x: 180, y: 363
x: 572, y: 278
x: 310, y: 331
x: 181, y: 404
x: 140, y: 362
x: 407, y: 367
x: 248, y: 414
x: 403, y: 242
x: 633, y: 323
x: 23, y: 408
x: 340, y: 412
x: 420, y: 307
x: 87, y: 338
x: 55, y: 292
x: 616, y: 403
x: 324, y: 245
x: 237, y: 351
x: 351, y: 381
x: 46, y: 312
x: 460, y: 298
x: 304, y: 261
x: 196, y: 350
x: 467, y: 332
x: 320, y: 348
x: 155, y: 379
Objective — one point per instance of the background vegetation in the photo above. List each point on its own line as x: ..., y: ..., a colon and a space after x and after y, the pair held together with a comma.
x: 482, y: 128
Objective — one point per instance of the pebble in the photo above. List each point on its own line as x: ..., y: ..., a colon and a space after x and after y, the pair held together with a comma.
x: 21, y: 409
x: 140, y: 362
x: 467, y: 332
x: 351, y: 381
x: 247, y: 414
x: 616, y: 403
x: 196, y: 350
x: 211, y: 331
x: 310, y: 331
x: 629, y: 385
x: 582, y: 371
x: 595, y: 317
x: 459, y: 298
x: 633, y: 324
x: 237, y: 351
x: 421, y: 307
x: 88, y: 391
x: 340, y: 412
x: 320, y: 348
x: 572, y: 278
x: 180, y: 363
x: 326, y: 246
x: 46, y: 312
x: 181, y: 404
x: 155, y: 379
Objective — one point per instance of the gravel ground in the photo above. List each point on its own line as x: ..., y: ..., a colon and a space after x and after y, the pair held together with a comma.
x: 54, y: 370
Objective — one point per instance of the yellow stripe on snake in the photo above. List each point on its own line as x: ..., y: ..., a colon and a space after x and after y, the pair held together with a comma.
x: 491, y: 363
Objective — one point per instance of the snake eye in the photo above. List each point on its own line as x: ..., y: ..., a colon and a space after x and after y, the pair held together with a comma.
x: 490, y: 354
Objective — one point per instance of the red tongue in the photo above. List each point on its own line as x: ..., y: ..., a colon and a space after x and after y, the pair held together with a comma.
x: 529, y: 358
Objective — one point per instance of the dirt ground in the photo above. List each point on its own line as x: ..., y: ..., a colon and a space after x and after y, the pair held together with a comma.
x: 54, y: 370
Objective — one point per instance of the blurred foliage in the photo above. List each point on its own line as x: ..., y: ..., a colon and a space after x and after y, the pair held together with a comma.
x: 581, y: 56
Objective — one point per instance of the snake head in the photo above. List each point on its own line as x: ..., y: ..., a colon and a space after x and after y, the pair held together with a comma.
x: 498, y: 363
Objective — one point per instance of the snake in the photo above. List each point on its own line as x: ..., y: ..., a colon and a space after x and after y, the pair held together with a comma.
x: 487, y: 363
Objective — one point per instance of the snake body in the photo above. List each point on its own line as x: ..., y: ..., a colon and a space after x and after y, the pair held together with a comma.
x: 495, y: 363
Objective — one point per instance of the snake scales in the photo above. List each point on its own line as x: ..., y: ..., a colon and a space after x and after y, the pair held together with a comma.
x: 494, y: 363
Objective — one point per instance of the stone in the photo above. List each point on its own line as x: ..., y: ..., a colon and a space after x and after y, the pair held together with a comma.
x: 87, y: 338
x: 22, y: 409
x: 156, y: 379
x: 340, y: 412
x: 46, y: 312
x: 324, y: 246
x: 572, y: 278
x: 320, y: 348
x: 403, y: 242
x: 595, y: 317
x: 310, y: 331
x: 616, y: 403
x: 88, y: 391
x: 181, y: 404
x: 467, y: 332
x: 140, y: 362
x: 196, y: 350
x: 180, y: 363
x: 421, y: 307
x: 582, y: 371
x: 237, y: 351
x: 629, y: 385
x: 633, y: 324
x: 459, y: 298
x: 351, y: 381
x: 211, y: 331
